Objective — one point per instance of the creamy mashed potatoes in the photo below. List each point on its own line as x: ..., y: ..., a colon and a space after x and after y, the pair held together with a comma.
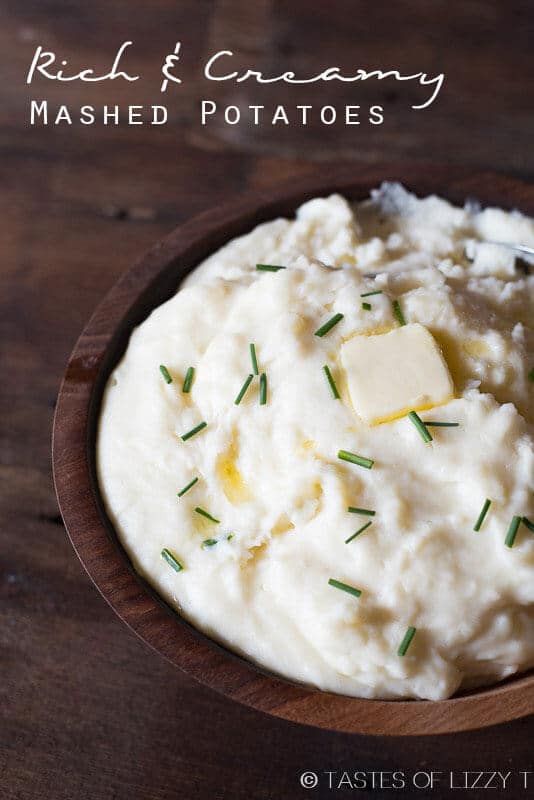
x: 264, y: 537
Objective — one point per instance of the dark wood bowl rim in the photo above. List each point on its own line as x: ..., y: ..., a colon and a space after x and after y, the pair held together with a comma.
x: 151, y: 281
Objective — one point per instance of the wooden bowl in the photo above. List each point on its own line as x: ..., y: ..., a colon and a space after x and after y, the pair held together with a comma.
x: 150, y: 282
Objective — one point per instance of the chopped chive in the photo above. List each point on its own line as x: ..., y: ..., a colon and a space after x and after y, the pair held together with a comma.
x: 420, y: 425
x: 254, y: 360
x: 205, y: 514
x: 368, y: 294
x: 366, y: 511
x: 171, y: 560
x: 397, y: 310
x: 361, y: 461
x: 331, y: 381
x: 243, y: 389
x: 188, y: 381
x: 482, y: 515
x: 531, y: 375
x: 193, y: 431
x: 406, y: 642
x: 528, y: 524
x: 366, y: 306
x: 209, y: 542
x: 186, y: 488
x: 512, y: 531
x: 324, y: 329
x: 360, y: 530
x: 165, y: 372
x: 344, y: 587
x: 441, y: 424
x: 263, y: 389
x: 229, y: 537
x: 269, y: 267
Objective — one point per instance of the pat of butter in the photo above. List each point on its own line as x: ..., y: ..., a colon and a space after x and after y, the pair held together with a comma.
x: 392, y: 373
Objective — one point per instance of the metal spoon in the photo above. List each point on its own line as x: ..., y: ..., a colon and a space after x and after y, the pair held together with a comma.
x: 524, y: 253
x: 520, y: 248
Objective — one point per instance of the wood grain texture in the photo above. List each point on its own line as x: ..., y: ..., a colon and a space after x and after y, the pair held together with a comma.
x: 86, y: 710
x: 99, y: 348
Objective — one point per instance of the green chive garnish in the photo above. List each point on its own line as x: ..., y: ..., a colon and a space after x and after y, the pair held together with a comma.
x: 193, y: 431
x: 209, y: 542
x: 186, y: 488
x: 420, y: 425
x: 229, y: 537
x: 512, y: 531
x: 331, y: 381
x: 441, y: 424
x: 361, y: 461
x: 188, y: 381
x: 243, y: 389
x: 531, y: 375
x: 269, y: 267
x: 165, y: 372
x: 171, y: 560
x: 361, y: 530
x: 344, y: 587
x: 205, y: 514
x: 397, y: 310
x: 366, y: 511
x: 263, y: 389
x: 404, y: 645
x: 323, y: 330
x: 528, y: 524
x: 482, y: 515
x: 366, y: 306
x: 254, y: 360
x: 368, y: 294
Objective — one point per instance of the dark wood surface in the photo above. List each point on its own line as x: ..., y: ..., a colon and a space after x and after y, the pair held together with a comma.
x: 86, y: 710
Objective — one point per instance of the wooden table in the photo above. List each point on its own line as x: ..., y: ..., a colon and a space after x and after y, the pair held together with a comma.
x: 86, y: 710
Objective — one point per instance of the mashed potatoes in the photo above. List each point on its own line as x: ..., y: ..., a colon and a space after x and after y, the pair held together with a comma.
x: 260, y: 550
